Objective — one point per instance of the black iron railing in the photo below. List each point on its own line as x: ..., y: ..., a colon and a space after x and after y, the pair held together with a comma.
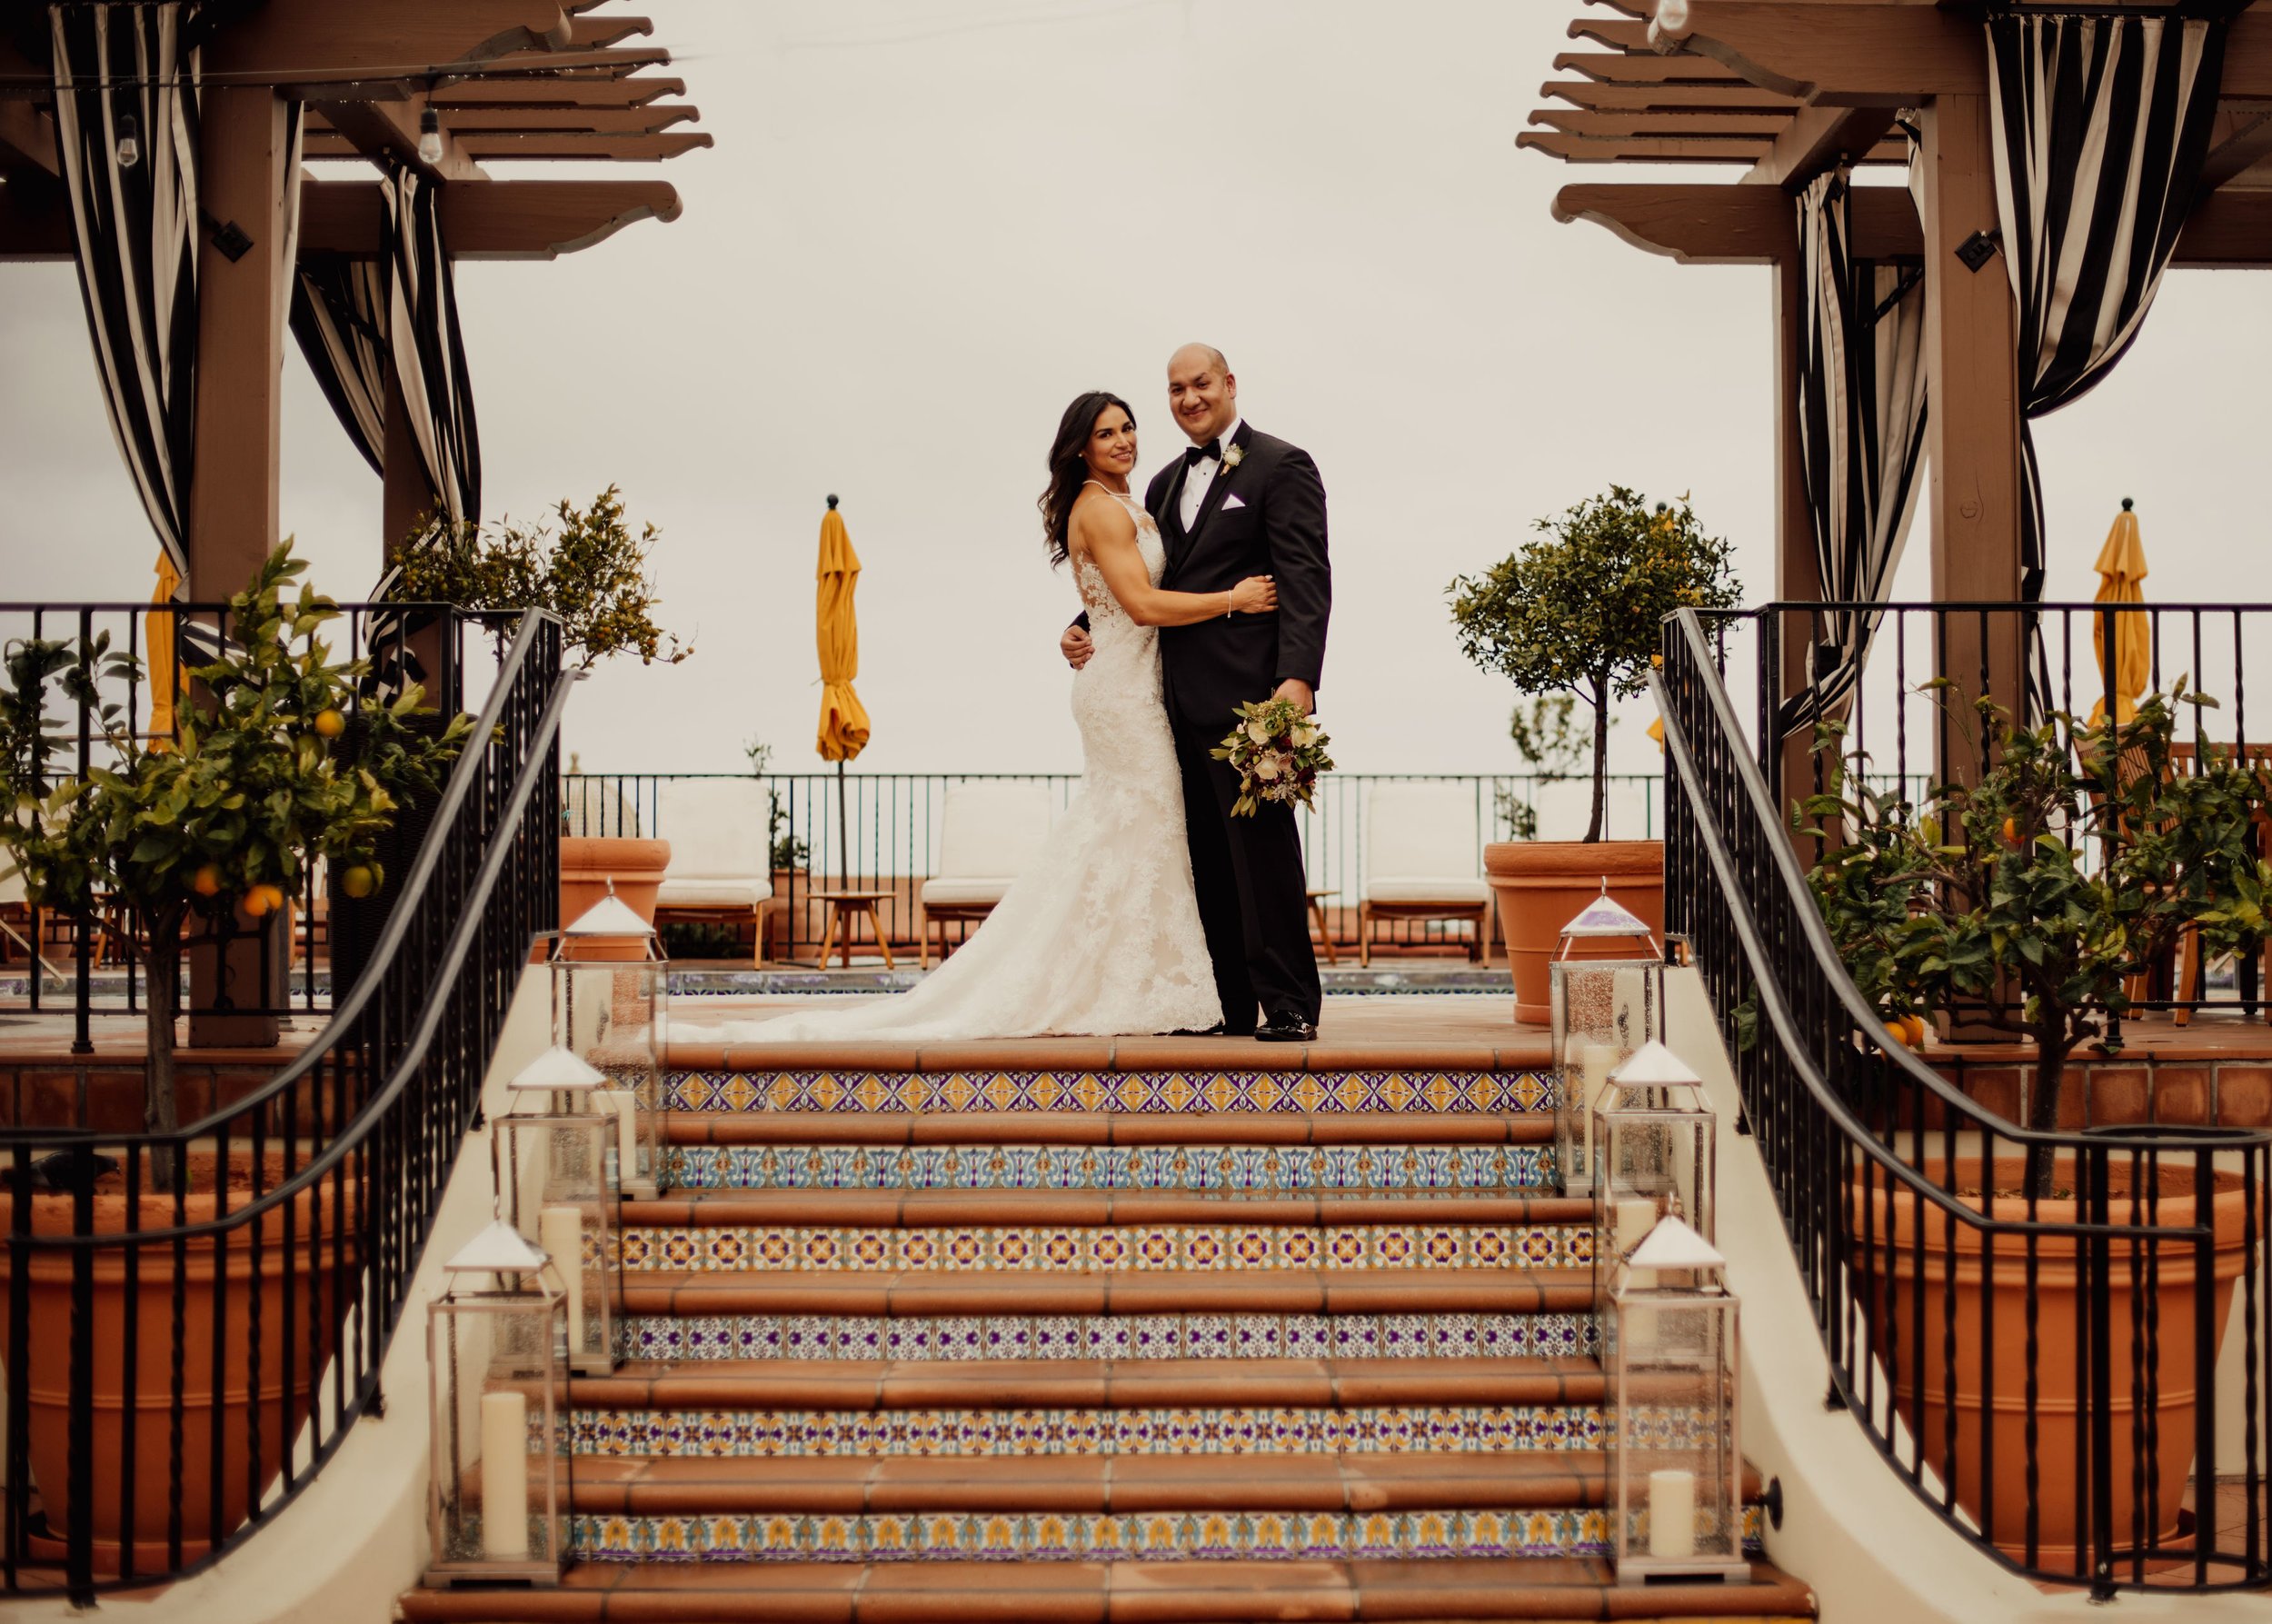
x: 51, y: 963
x: 2045, y: 1371
x: 1781, y: 665
x: 276, y: 1277
x: 882, y: 832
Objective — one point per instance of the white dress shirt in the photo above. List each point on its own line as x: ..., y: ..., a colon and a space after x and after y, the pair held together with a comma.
x: 1200, y: 475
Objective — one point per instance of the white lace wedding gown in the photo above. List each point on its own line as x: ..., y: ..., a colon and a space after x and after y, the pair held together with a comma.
x: 1101, y: 935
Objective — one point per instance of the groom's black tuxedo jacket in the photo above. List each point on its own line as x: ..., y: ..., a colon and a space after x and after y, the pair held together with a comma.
x: 1277, y: 527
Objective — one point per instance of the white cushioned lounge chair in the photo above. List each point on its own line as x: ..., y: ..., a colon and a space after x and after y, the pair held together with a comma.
x: 986, y: 832
x: 721, y: 859
x: 1423, y: 844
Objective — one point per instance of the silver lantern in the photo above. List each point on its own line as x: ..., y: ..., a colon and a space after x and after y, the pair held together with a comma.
x: 555, y: 1152
x: 1670, y: 1424
x: 610, y: 1007
x: 498, y: 1500
x: 1656, y: 1139
x: 1603, y: 1008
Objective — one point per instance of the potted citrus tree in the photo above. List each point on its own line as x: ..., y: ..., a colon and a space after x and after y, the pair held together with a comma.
x: 593, y: 572
x: 1578, y: 613
x: 227, y: 814
x: 2035, y: 896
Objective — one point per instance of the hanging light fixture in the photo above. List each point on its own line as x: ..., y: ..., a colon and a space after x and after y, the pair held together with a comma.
x: 128, y: 149
x: 430, y: 136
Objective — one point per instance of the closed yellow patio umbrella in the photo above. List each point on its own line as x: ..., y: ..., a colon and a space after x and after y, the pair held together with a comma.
x: 165, y: 675
x: 2121, y: 568
x: 843, y: 719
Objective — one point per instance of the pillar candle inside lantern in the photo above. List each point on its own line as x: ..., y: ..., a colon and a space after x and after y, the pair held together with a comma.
x: 623, y: 1105
x: 504, y: 1476
x: 1672, y: 1514
x: 1595, y: 1062
x: 1636, y: 1216
x: 1629, y: 1001
x: 560, y: 1233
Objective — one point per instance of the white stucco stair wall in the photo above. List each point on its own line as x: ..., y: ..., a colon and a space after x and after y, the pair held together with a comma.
x: 356, y: 1538
x: 1873, y: 1552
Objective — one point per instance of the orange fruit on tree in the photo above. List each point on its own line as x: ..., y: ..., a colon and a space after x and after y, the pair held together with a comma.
x: 206, y: 881
x: 1899, y: 1030
x: 1916, y: 1030
x: 2011, y: 832
x: 257, y: 902
x: 330, y: 723
x: 359, y: 881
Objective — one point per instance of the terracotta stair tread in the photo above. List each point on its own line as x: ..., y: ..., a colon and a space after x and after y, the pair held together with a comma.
x: 1453, y: 1590
x: 1124, y: 1291
x: 943, y: 1208
x: 1106, y: 1127
x: 689, y: 1049
x: 1073, y: 1383
x: 1095, y: 1485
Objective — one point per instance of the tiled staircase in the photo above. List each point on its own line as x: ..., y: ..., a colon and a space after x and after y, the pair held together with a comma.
x: 1082, y: 1331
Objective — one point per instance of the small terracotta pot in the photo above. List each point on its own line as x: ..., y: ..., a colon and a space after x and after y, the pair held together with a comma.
x: 294, y: 1286
x: 2000, y: 1402
x: 1542, y: 885
x: 588, y: 863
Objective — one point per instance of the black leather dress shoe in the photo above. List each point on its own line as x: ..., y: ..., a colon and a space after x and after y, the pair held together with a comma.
x: 1286, y: 1028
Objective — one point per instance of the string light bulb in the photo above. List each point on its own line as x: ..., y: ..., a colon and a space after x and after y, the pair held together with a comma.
x: 128, y: 150
x: 430, y: 136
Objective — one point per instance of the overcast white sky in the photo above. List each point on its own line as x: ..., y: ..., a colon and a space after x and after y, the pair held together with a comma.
x: 928, y: 223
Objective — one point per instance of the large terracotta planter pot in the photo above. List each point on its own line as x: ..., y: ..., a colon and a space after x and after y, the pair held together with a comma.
x: 589, y: 863
x: 1542, y: 885
x: 1999, y: 1403
x: 294, y: 1285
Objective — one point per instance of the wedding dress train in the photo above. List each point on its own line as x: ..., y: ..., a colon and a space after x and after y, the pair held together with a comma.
x: 1100, y: 935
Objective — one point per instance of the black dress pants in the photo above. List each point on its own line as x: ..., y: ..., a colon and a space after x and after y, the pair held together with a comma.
x: 1253, y: 892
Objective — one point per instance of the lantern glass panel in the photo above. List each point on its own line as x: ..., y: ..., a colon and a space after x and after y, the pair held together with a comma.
x: 553, y: 1167
x: 1602, y: 1011
x: 496, y: 1364
x: 615, y: 1015
x: 1657, y: 1150
x: 1675, y: 1481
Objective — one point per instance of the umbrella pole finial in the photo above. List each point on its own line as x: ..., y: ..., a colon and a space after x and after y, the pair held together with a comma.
x: 832, y: 501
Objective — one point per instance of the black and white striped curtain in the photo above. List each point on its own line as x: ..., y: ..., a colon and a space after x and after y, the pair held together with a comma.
x: 2099, y: 126
x: 1861, y: 431
x: 339, y: 316
x: 136, y: 234
x: 429, y: 351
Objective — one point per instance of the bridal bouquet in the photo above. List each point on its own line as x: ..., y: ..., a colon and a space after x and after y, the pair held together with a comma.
x: 1278, y: 753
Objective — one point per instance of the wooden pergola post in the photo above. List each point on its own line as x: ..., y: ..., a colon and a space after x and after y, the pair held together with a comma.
x: 234, y: 498
x: 1973, y: 429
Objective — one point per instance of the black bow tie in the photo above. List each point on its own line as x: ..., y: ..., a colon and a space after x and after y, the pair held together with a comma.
x: 1192, y: 455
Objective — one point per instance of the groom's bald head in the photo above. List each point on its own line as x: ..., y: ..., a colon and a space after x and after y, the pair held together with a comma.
x: 1201, y: 392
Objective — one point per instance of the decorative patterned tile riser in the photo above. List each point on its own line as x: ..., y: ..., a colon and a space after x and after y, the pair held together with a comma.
x: 979, y: 1434
x: 1167, y: 1536
x: 1243, y: 1169
x: 1111, y: 1336
x: 1079, y: 1249
x: 1137, y: 1092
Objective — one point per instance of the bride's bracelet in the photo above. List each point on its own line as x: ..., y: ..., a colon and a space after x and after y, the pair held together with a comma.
x: 1228, y: 608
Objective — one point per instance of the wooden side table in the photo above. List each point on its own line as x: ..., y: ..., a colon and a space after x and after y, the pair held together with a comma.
x: 841, y: 906
x: 1317, y: 918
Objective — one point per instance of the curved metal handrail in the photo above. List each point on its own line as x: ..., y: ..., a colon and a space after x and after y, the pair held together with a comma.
x: 1842, y: 1181
x: 403, y: 1147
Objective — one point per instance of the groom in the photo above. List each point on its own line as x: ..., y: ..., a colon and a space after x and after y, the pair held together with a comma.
x: 1238, y: 503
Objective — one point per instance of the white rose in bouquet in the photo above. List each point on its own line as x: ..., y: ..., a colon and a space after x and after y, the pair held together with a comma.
x: 1258, y: 732
x: 1305, y: 735
x: 1266, y: 767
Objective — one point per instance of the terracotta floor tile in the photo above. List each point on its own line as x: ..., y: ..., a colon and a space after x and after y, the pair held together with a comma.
x: 982, y: 1593
x: 1202, y: 1592
x: 1041, y: 1483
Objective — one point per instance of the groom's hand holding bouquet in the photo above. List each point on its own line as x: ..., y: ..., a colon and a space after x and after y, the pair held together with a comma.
x: 1279, y: 751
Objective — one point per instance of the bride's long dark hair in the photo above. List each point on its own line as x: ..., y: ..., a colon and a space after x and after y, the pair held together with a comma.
x: 1069, y: 471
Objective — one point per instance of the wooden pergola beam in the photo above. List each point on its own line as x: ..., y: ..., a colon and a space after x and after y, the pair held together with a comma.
x: 558, y: 92
x: 1622, y: 67
x: 282, y: 37
x: 1615, y: 35
x: 27, y: 138
x: 1819, y: 138
x: 34, y: 219
x: 1726, y: 225
x: 1748, y: 150
x: 502, y: 220
x: 1732, y: 97
x: 1709, y: 123
x: 387, y: 132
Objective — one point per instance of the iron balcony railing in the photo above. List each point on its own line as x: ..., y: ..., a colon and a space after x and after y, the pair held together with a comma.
x: 893, y: 821
x: 1778, y: 662
x: 2077, y: 1383
x: 287, y: 1271
x: 51, y: 963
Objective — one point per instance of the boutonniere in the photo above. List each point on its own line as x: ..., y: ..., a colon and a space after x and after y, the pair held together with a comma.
x: 1232, y: 455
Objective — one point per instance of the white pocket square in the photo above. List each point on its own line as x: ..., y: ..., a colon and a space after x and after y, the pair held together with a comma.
x: 1231, y: 501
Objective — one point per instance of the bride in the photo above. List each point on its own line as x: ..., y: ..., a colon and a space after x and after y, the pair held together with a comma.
x: 1100, y: 936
